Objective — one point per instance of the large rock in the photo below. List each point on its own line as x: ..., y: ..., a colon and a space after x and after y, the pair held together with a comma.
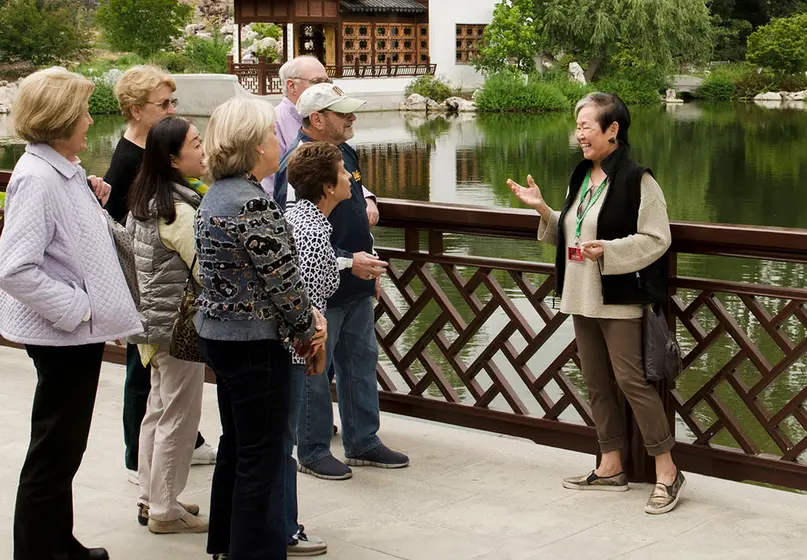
x: 227, y: 29
x: 193, y: 28
x: 670, y: 97
x: 415, y: 102
x: 769, y: 96
x: 576, y: 74
x: 248, y: 36
x: 262, y: 45
x: 7, y: 94
x: 459, y: 105
x: 112, y: 76
x: 799, y: 96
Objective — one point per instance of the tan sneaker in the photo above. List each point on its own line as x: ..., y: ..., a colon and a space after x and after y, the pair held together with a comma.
x: 143, y: 511
x: 186, y: 524
x: 616, y: 483
x: 664, y: 498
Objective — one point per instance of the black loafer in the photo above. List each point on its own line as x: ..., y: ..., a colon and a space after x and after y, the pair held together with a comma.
x: 91, y: 554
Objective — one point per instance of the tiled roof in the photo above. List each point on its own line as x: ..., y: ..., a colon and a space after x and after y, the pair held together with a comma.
x: 399, y: 6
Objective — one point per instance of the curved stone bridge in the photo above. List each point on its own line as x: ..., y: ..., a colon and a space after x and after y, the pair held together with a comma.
x: 683, y: 83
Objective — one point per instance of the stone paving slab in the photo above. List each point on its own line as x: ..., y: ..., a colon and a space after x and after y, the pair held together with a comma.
x: 467, y: 495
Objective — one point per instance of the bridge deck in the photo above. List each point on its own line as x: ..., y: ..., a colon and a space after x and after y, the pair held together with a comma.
x: 467, y: 495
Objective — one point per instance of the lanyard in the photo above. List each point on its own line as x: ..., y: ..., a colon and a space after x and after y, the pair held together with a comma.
x: 581, y: 212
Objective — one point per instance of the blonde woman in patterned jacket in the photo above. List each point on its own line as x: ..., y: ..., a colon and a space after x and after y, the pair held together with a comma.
x: 321, y: 181
x: 63, y: 296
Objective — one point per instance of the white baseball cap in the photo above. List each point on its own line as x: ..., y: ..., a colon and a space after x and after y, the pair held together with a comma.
x: 326, y: 96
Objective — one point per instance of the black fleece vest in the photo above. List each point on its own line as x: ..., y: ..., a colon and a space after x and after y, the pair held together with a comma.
x: 617, y: 219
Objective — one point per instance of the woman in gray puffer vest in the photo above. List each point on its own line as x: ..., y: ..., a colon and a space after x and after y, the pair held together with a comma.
x: 163, y: 202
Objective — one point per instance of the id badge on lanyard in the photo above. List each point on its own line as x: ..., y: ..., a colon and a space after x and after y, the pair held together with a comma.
x: 575, y: 253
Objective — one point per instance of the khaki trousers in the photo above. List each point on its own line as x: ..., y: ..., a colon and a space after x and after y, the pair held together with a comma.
x: 611, y: 355
x: 168, y: 433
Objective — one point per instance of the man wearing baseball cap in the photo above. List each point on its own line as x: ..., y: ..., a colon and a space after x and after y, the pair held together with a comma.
x: 328, y: 116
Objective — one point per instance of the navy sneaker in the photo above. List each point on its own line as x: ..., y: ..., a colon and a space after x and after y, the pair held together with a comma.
x: 382, y: 457
x: 327, y: 468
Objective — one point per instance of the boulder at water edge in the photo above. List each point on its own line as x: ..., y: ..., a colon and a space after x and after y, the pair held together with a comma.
x: 769, y: 96
x: 415, y: 102
x: 459, y: 105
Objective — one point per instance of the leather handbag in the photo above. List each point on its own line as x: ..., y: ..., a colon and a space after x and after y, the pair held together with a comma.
x: 661, y: 353
x: 184, y: 338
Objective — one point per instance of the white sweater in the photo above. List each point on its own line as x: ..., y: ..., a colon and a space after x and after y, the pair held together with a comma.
x: 582, y: 288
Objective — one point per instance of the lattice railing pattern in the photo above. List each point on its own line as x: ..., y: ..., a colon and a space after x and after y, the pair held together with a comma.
x: 745, y: 380
x: 446, y: 354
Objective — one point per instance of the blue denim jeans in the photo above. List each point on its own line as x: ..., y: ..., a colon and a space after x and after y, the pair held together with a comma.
x: 298, y: 377
x: 352, y: 349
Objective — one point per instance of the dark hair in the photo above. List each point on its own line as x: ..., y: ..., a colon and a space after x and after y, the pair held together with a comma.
x: 610, y: 109
x: 311, y: 167
x: 156, y: 178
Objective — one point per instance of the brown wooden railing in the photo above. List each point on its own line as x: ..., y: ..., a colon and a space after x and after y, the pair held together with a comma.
x: 262, y: 77
x: 474, y: 341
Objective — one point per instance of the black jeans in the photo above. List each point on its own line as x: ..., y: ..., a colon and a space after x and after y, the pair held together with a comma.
x: 136, y: 389
x: 67, y: 382
x: 247, y: 503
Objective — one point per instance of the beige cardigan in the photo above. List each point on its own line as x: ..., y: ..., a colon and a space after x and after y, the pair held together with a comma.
x: 582, y: 293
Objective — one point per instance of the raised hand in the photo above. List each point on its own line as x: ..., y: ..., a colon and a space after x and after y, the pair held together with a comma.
x: 531, y: 196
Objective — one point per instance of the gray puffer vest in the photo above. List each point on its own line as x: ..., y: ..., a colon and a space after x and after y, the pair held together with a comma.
x: 161, y: 273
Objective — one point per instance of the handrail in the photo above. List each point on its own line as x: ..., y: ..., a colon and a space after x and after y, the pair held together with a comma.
x: 761, y: 242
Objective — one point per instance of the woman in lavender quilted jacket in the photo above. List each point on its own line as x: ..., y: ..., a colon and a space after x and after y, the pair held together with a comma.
x: 62, y: 295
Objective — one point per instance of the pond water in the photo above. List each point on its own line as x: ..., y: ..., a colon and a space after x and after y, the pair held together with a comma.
x: 738, y: 164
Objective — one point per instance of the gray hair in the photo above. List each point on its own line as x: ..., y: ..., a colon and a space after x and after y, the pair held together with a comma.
x: 610, y: 109
x: 291, y: 69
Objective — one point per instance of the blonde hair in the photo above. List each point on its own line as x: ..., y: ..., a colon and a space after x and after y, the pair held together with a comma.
x: 134, y: 87
x: 235, y: 130
x: 50, y: 103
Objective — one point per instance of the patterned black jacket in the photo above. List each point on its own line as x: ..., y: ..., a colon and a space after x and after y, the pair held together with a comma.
x: 248, y: 267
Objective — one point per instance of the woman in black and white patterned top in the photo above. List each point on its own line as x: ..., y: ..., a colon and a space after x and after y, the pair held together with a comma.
x: 321, y: 182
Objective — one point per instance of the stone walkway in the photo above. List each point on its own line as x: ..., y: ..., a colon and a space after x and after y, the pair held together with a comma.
x: 467, y: 495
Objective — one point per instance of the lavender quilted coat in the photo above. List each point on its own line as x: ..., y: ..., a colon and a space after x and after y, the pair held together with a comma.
x: 58, y: 260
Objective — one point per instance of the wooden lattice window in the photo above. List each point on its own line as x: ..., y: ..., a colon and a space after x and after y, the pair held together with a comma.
x: 469, y: 38
x: 357, y: 38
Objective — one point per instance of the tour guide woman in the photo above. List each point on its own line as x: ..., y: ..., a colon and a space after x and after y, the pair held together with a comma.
x: 612, y: 235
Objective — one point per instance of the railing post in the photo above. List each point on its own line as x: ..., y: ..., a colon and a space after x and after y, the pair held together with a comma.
x: 389, y: 67
x: 230, y: 64
x: 262, y: 71
x: 356, y: 63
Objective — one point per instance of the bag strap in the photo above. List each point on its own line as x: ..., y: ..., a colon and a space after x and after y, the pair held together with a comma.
x: 190, y: 273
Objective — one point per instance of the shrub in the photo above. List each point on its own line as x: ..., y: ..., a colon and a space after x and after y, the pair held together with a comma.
x: 718, y: 87
x: 268, y: 30
x: 794, y: 82
x: 508, y: 91
x: 142, y: 26
x: 431, y: 87
x: 753, y: 82
x: 173, y: 62
x: 103, y: 100
x: 2, y: 200
x: 780, y: 45
x: 207, y: 55
x: 572, y: 91
x: 43, y: 31
x: 635, y: 89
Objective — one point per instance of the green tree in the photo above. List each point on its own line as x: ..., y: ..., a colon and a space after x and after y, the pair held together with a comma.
x: 658, y: 33
x: 780, y: 45
x: 512, y: 38
x: 43, y: 31
x: 142, y: 26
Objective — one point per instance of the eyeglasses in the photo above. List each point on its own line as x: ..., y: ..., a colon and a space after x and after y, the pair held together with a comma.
x: 165, y: 103
x: 315, y: 81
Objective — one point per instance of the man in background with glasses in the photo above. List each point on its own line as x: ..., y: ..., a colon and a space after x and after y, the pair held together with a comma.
x: 296, y: 76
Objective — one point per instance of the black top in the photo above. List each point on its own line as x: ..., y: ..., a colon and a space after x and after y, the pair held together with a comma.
x: 121, y: 174
x: 618, y: 218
